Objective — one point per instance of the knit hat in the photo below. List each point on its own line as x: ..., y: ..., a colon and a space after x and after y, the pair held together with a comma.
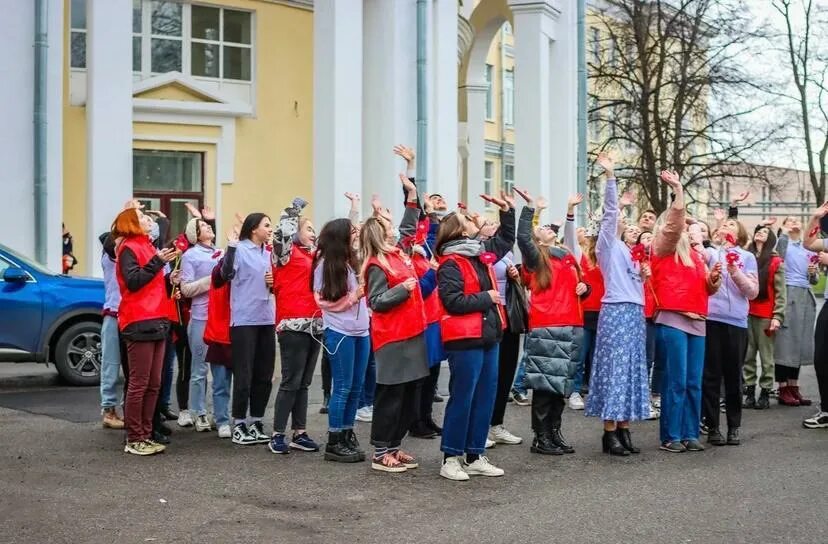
x: 191, y: 231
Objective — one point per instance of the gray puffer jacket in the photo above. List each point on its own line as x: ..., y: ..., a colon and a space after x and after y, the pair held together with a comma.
x: 552, y: 354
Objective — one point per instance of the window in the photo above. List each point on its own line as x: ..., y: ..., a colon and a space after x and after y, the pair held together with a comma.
x: 594, y: 120
x: 509, y: 97
x: 166, y: 180
x: 507, y: 28
x: 488, y: 170
x: 508, y: 178
x: 489, y: 93
x: 77, y: 34
x: 595, y: 44
x: 221, y: 43
x: 613, y: 53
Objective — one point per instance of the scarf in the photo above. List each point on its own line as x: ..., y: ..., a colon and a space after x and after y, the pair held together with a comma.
x: 465, y: 247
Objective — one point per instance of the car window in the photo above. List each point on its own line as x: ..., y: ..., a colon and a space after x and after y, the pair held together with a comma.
x: 4, y: 264
x: 21, y: 259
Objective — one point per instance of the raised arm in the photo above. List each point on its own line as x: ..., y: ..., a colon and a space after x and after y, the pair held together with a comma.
x: 411, y: 214
x: 530, y: 253
x: 812, y: 239
x: 609, y: 222
x: 667, y: 239
x: 570, y: 238
x: 504, y: 240
x: 287, y: 229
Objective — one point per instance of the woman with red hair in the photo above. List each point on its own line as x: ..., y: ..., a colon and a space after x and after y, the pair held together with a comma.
x: 142, y: 320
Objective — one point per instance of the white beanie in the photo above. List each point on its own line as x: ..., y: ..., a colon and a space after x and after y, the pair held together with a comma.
x: 191, y: 231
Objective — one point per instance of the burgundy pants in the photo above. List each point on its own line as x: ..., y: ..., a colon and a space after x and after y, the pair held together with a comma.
x: 146, y: 359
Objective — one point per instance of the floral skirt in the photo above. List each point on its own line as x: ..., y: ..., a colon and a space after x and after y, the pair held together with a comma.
x: 618, y: 387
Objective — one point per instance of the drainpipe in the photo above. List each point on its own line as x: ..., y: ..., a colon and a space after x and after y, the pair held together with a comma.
x: 40, y: 59
x: 422, y: 113
x: 582, y: 111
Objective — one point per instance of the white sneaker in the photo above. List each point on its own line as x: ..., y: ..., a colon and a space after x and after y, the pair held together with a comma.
x: 202, y: 424
x: 365, y: 414
x: 224, y: 431
x: 490, y: 443
x: 452, y: 469
x: 576, y: 402
x: 655, y: 413
x: 185, y: 419
x: 482, y: 467
x: 656, y: 402
x: 500, y: 435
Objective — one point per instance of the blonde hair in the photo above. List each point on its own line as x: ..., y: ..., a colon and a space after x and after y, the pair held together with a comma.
x: 373, y: 241
x: 683, y: 249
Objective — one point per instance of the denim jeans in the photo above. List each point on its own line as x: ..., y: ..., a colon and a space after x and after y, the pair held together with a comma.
x: 168, y: 372
x: 110, y: 361
x: 521, y: 372
x: 681, y: 386
x: 198, y: 370
x: 349, y: 359
x: 587, y: 349
x: 370, y: 386
x: 222, y: 387
x: 472, y: 390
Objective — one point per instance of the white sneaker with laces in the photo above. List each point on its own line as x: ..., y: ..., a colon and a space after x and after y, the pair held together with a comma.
x: 817, y: 421
x: 490, y: 443
x: 482, y: 467
x: 365, y: 414
x: 224, y: 431
x: 576, y: 401
x: 452, y: 469
x: 202, y: 424
x: 185, y: 419
x: 500, y: 435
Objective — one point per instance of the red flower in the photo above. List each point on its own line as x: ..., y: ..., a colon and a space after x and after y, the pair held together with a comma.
x: 639, y: 253
x: 488, y: 258
x: 730, y: 239
x: 814, y: 232
x: 217, y: 254
x: 814, y: 259
x: 181, y: 243
x: 269, y: 247
x: 733, y: 258
x: 422, y: 232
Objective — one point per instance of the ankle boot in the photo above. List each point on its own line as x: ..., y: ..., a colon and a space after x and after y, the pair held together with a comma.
x: 802, y: 401
x: 625, y: 438
x: 421, y: 430
x: 750, y: 397
x: 764, y: 400
x: 612, y: 445
x: 337, y: 450
x: 543, y: 445
x: 786, y: 397
x: 351, y: 441
x: 557, y: 439
x: 325, y: 400
x: 431, y: 424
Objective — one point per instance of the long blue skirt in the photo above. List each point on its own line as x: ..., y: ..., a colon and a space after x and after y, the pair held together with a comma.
x: 618, y: 385
x: 434, y: 345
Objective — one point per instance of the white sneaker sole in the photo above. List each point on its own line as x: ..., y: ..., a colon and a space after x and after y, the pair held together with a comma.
x: 382, y: 468
x: 203, y: 429
x: 460, y: 477
x: 509, y: 441
x: 490, y: 474
x: 144, y: 453
x: 225, y: 436
x: 300, y: 447
x: 185, y: 423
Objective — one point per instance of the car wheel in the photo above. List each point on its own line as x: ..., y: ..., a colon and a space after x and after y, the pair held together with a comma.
x: 78, y: 354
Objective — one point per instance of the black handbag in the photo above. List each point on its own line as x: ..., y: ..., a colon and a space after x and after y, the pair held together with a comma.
x: 516, y: 308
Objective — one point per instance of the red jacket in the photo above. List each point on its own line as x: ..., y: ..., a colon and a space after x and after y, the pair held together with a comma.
x: 291, y: 284
x: 593, y: 277
x: 432, y: 301
x: 764, y: 308
x: 407, y: 319
x: 217, y: 328
x: 557, y: 305
x: 148, y: 302
x: 467, y: 326
x: 680, y: 288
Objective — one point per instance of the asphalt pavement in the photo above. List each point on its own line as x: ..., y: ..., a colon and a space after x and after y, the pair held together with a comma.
x: 63, y: 479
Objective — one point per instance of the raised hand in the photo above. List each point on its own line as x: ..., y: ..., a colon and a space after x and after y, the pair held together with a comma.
x: 408, y: 185
x: 405, y: 152
x: 671, y: 178
x: 207, y: 213
x: 606, y: 162
x: 768, y: 222
x: 525, y: 195
x: 573, y: 201
x: 496, y: 201
x: 719, y: 214
x: 233, y: 233
x: 133, y: 203
x: 820, y: 212
x: 193, y: 210
x: 541, y: 203
x: 508, y: 199
x: 239, y: 219
x: 741, y: 197
x: 626, y: 199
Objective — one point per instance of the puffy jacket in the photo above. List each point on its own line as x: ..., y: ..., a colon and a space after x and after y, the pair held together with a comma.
x: 552, y: 354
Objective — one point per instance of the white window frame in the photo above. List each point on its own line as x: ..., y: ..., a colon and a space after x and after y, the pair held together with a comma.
x: 221, y: 43
x: 489, y: 92
x: 508, y: 182
x: 488, y: 178
x: 509, y: 97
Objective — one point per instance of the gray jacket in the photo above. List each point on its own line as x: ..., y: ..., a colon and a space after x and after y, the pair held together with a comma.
x: 552, y: 354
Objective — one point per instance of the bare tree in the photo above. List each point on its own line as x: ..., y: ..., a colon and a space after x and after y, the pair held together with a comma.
x: 668, y: 89
x: 805, y: 49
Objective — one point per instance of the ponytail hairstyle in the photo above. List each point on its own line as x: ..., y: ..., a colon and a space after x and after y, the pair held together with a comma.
x: 334, y: 246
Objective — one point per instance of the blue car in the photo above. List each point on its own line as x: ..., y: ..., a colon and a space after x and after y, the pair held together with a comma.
x: 52, y: 318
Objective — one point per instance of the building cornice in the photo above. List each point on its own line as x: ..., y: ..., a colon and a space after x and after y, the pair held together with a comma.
x: 300, y: 4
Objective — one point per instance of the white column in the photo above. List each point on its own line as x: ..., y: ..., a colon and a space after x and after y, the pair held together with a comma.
x: 475, y: 130
x: 337, y: 116
x: 54, y: 136
x: 108, y: 117
x: 443, y: 99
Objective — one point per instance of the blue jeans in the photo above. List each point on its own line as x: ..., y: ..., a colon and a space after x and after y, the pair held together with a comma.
x: 168, y: 372
x: 588, y: 343
x: 681, y: 386
x: 349, y: 358
x: 222, y: 387
x: 110, y: 361
x: 472, y: 391
x: 370, y: 386
x: 521, y: 372
x: 198, y: 370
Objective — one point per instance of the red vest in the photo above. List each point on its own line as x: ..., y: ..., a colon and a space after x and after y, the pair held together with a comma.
x: 467, y: 326
x: 150, y: 301
x: 406, y: 320
x: 649, y: 299
x: 764, y: 308
x: 217, y: 329
x: 291, y: 284
x: 593, y: 277
x: 557, y: 305
x: 432, y: 301
x: 680, y: 288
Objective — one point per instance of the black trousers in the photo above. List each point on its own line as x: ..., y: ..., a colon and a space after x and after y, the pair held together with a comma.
x: 185, y: 360
x: 507, y: 364
x: 821, y: 355
x: 427, y: 388
x: 724, y: 356
x: 326, y: 374
x: 254, y: 356
x: 785, y: 373
x: 395, y: 409
x: 547, y: 409
x: 299, y: 353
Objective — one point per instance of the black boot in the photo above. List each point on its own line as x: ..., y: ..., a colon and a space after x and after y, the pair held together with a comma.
x: 557, y: 439
x: 764, y: 400
x: 168, y: 414
x: 337, y: 450
x: 750, y: 397
x: 612, y: 445
x: 352, y: 442
x: 430, y: 423
x: 325, y: 400
x: 163, y: 428
x: 715, y: 438
x: 421, y: 430
x: 543, y: 445
x: 160, y: 437
x: 733, y: 437
x: 625, y: 438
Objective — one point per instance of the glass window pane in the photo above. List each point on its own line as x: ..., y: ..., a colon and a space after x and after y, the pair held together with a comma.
x: 166, y: 18
x: 78, y: 54
x: 236, y: 26
x: 78, y: 8
x: 137, y: 23
x: 205, y: 59
x: 206, y: 23
x: 179, y: 215
x: 236, y: 63
x: 166, y: 171
x: 166, y: 55
x: 136, y: 53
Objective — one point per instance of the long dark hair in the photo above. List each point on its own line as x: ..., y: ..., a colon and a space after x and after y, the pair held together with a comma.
x: 763, y: 260
x: 334, y: 246
x: 251, y: 223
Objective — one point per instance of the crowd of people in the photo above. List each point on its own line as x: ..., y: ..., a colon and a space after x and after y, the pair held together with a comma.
x: 659, y: 318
